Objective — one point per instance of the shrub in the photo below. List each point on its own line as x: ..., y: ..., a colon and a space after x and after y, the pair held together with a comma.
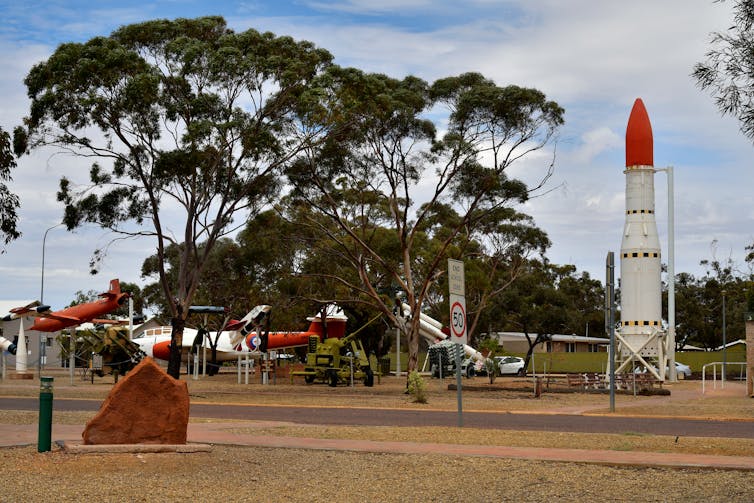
x: 416, y: 387
x: 490, y: 365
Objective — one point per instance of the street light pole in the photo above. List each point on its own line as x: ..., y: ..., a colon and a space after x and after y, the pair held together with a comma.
x: 670, y: 341
x: 44, y: 241
x: 42, y: 338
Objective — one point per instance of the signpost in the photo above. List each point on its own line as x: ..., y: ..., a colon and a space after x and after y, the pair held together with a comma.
x: 610, y: 321
x: 457, y: 301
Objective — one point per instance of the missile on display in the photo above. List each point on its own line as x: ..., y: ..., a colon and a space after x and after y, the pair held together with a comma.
x: 641, y: 301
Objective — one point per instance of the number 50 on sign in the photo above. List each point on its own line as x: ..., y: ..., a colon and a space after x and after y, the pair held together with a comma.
x: 458, y: 318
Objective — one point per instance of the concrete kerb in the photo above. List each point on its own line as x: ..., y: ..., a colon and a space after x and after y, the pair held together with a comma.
x: 78, y: 448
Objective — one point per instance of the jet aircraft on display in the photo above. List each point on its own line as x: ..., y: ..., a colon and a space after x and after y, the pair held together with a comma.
x: 54, y: 321
x: 248, y: 336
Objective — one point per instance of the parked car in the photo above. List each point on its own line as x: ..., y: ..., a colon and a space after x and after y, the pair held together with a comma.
x: 510, y: 365
x: 680, y: 368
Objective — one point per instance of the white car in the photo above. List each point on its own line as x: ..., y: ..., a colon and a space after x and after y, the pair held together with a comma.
x: 510, y: 365
x: 680, y: 368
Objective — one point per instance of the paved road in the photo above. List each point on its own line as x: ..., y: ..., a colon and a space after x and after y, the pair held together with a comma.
x: 402, y: 417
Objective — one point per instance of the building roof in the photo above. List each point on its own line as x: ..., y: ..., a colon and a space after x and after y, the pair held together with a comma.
x: 733, y: 343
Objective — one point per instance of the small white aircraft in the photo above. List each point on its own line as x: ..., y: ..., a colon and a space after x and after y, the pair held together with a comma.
x: 247, y: 336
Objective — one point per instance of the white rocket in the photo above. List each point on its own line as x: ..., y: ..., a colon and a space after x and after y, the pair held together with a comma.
x: 640, y: 286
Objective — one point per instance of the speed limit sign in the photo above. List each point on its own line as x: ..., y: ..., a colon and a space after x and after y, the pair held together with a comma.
x: 458, y: 318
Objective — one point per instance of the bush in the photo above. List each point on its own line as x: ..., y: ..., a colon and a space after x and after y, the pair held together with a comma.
x: 417, y: 388
x: 491, y: 366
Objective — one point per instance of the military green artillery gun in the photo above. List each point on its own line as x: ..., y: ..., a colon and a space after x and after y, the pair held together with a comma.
x: 115, y: 353
x: 337, y: 360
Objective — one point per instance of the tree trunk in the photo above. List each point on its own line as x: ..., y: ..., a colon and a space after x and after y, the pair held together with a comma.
x: 413, y: 345
x: 528, y: 357
x: 176, y: 347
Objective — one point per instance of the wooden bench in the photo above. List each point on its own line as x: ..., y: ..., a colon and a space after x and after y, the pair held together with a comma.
x: 636, y: 380
x: 587, y: 380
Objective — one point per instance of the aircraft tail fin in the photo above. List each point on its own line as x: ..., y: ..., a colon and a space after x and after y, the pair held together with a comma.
x: 114, y: 288
x: 114, y: 293
x: 334, y: 326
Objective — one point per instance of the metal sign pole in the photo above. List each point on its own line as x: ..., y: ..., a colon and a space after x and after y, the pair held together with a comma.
x: 459, y: 397
x: 610, y: 319
x: 457, y: 301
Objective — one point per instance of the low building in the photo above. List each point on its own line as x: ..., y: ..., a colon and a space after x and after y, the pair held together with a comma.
x: 516, y: 342
x: 733, y: 344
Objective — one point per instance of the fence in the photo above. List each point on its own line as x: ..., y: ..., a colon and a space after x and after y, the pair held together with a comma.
x: 714, y: 366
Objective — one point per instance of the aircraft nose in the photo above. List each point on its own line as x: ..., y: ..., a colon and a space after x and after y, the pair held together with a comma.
x: 161, y: 350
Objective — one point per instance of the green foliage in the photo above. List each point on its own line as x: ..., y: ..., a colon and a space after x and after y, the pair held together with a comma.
x: 728, y: 72
x: 699, y: 304
x: 550, y: 299
x: 162, y: 106
x: 183, y: 111
x: 490, y: 365
x: 9, y: 202
x: 417, y: 388
x: 491, y: 344
x: 362, y: 187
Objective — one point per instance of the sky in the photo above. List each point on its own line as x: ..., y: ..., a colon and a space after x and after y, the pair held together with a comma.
x: 592, y: 58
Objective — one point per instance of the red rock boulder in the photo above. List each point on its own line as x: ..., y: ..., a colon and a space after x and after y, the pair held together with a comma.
x: 146, y: 407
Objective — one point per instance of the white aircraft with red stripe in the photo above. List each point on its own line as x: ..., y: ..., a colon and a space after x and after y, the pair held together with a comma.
x: 241, y: 337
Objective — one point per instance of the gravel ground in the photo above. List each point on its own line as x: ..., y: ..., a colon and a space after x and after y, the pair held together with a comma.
x: 284, y: 475
x: 269, y: 475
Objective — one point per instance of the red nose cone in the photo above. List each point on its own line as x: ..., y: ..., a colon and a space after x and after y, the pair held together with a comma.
x: 161, y: 350
x: 639, y: 145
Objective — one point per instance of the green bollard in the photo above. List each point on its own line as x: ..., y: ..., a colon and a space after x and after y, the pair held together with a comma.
x: 45, y: 414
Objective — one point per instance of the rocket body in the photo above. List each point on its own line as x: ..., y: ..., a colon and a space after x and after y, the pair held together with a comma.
x: 640, y: 287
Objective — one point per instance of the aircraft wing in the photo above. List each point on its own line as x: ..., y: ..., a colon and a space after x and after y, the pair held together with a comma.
x: 64, y: 318
x: 31, y: 309
x: 25, y: 308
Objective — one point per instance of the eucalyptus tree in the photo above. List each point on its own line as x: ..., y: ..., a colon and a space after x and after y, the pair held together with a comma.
x: 388, y: 170
x: 188, y: 124
x: 728, y: 71
x: 9, y: 202
x: 495, y: 253
x: 238, y: 274
x: 549, y: 299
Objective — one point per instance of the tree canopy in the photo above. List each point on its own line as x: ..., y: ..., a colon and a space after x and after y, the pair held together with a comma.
x: 188, y: 124
x: 728, y: 71
x: 388, y: 174
x: 9, y: 202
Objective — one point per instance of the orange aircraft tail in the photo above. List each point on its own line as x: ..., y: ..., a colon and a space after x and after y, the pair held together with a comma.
x: 114, y: 290
x: 335, y: 324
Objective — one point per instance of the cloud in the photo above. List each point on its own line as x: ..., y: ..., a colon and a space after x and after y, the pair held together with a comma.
x: 595, y: 142
x: 368, y: 6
